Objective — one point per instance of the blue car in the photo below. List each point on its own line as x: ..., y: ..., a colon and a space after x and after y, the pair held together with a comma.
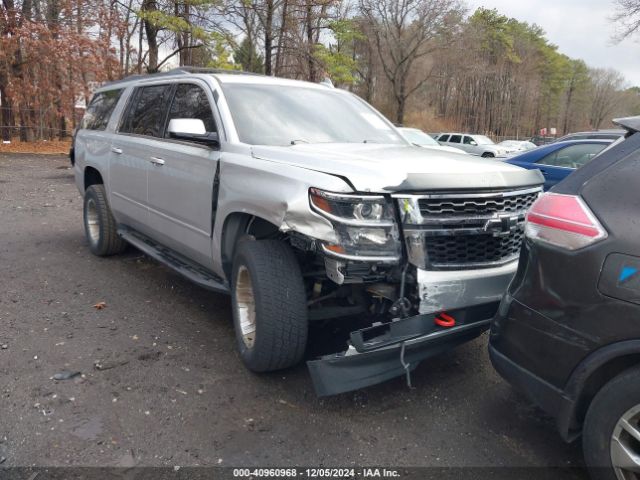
x: 558, y: 160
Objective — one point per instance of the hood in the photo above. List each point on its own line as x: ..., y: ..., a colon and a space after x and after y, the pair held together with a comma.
x: 400, y: 168
x: 445, y: 149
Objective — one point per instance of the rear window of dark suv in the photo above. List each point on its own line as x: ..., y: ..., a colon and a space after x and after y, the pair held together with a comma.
x: 100, y: 109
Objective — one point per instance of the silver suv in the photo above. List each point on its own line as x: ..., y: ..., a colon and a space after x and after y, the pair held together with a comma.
x: 304, y: 204
x: 473, y: 144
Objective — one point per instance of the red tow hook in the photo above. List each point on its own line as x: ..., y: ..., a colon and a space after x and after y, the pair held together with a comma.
x: 444, y: 320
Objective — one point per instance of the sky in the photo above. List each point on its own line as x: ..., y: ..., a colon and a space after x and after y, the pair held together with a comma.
x: 580, y: 28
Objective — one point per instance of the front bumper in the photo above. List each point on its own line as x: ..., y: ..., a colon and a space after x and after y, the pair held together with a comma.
x: 382, y: 352
x: 454, y: 289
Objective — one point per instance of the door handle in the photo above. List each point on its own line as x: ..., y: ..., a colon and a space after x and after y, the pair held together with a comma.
x: 157, y: 161
x: 116, y: 150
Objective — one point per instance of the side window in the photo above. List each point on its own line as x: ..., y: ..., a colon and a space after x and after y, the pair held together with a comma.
x: 573, y: 156
x: 455, y: 139
x: 468, y: 140
x: 443, y: 138
x: 190, y: 101
x: 146, y: 114
x: 100, y: 109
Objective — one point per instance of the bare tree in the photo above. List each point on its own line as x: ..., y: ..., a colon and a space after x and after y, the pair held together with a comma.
x: 404, y: 31
x: 607, y: 85
x: 628, y: 17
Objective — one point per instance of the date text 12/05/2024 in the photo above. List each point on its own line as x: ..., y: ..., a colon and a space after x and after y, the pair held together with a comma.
x: 370, y: 472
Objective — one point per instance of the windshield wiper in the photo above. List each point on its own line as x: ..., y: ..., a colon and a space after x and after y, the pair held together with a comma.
x: 299, y: 140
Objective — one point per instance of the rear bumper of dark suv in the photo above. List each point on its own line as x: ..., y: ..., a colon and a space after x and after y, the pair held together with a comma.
x: 552, y: 400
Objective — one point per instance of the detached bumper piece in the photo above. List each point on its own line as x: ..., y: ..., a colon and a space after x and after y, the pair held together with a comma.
x: 382, y: 352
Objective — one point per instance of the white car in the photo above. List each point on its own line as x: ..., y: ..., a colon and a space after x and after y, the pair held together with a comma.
x: 516, y: 146
x: 424, y: 140
x: 473, y: 144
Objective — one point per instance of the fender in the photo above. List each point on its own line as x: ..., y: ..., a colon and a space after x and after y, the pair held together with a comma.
x: 618, y: 356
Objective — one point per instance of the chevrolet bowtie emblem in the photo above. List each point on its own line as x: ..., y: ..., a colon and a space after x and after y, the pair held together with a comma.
x: 501, y: 225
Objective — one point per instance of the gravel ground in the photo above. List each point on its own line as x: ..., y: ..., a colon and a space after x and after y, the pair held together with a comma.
x: 161, y: 382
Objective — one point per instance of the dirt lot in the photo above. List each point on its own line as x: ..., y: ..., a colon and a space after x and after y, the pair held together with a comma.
x: 162, y: 384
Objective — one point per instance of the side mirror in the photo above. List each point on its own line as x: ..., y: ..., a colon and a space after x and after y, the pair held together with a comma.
x: 474, y: 143
x: 192, y: 130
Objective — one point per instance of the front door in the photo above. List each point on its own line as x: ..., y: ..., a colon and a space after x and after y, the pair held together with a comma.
x: 181, y: 180
x: 470, y: 145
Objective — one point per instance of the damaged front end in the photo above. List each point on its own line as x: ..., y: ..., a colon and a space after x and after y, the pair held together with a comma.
x: 389, y: 350
x: 427, y: 269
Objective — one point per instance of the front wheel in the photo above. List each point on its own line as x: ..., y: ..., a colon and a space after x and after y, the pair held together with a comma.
x: 611, y: 432
x: 488, y: 155
x: 269, y: 305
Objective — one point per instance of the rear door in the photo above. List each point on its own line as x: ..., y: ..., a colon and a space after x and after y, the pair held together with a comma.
x: 133, y: 148
x: 455, y: 141
x: 181, y: 182
x: 558, y: 165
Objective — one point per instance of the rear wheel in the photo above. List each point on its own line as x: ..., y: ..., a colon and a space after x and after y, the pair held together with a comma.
x: 269, y: 305
x: 99, y: 224
x: 611, y: 433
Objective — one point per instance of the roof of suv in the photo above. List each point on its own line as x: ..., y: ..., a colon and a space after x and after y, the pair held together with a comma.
x: 222, y: 76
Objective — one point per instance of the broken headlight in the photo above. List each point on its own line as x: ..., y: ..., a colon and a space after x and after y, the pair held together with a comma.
x: 364, y: 224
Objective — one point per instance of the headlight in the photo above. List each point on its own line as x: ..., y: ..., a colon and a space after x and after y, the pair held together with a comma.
x: 364, y: 225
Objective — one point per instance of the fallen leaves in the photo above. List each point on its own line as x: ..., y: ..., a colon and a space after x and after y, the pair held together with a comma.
x: 47, y: 147
x: 100, y: 305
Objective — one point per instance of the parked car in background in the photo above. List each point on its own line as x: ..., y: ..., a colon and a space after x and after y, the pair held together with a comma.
x: 514, y: 146
x: 542, y: 140
x: 473, y: 144
x: 567, y: 332
x: 421, y: 139
x: 612, y: 134
x: 557, y: 160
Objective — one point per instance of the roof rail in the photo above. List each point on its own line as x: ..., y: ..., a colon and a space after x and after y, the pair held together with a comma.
x: 180, y: 71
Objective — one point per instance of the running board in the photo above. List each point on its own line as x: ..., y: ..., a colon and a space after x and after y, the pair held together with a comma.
x: 175, y: 261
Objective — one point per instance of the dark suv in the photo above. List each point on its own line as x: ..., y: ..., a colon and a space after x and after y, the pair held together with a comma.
x: 567, y: 332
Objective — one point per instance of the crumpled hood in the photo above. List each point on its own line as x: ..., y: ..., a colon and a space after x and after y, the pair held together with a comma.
x: 395, y: 168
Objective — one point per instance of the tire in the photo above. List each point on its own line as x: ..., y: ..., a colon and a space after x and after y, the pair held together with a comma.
x: 488, y: 155
x: 620, y: 397
x: 99, y: 224
x: 267, y: 287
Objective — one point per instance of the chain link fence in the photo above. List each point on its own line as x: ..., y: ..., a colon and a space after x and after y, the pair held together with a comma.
x: 32, y: 125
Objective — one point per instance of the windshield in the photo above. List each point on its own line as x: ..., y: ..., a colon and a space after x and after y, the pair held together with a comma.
x: 418, y: 137
x: 279, y: 115
x: 482, y: 140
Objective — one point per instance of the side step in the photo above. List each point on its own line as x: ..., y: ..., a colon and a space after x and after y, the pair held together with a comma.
x: 177, y: 262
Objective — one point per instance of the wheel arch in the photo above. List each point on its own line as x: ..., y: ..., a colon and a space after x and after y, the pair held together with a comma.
x: 92, y: 176
x: 594, y: 372
x: 236, y: 225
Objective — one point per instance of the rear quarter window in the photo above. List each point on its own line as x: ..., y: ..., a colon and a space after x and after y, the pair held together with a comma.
x: 100, y: 109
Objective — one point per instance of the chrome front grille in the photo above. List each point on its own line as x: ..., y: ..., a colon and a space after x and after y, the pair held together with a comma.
x: 476, y: 205
x: 456, y: 231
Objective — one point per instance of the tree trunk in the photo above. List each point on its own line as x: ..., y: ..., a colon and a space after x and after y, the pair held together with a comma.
x: 268, y: 38
x: 152, y: 36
